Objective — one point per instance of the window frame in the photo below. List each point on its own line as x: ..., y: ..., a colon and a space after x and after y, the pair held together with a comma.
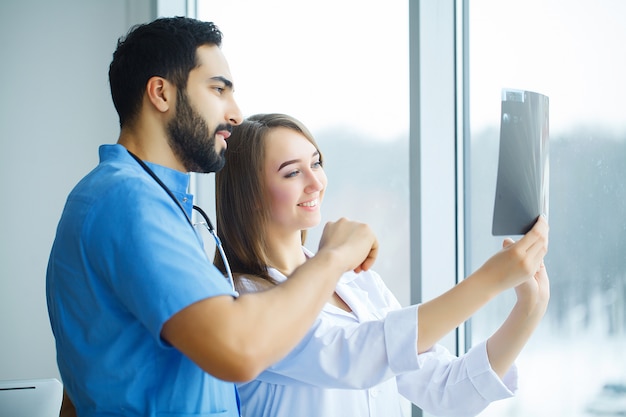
x: 438, y: 126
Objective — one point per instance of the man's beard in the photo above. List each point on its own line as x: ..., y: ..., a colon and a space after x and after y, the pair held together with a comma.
x: 188, y: 135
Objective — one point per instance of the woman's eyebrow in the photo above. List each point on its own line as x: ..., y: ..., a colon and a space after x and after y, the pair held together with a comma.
x: 284, y: 164
x: 293, y: 161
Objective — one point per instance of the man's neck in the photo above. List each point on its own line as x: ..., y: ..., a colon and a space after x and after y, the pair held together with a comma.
x: 150, y: 146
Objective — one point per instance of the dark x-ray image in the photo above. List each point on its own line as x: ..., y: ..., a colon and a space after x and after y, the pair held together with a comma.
x: 523, y: 164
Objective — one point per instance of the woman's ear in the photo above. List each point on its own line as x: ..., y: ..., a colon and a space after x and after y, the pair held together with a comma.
x: 161, y: 93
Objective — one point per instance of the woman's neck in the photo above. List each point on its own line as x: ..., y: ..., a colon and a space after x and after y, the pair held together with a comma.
x: 285, y: 254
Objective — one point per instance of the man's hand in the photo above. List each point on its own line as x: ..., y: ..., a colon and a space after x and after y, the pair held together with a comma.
x: 354, y: 243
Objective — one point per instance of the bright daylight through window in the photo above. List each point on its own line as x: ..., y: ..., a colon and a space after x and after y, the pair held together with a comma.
x: 574, y: 365
x: 299, y: 67
x: 313, y: 61
x: 570, y: 51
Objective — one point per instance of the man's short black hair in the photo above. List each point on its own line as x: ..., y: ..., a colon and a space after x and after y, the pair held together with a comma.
x: 165, y: 47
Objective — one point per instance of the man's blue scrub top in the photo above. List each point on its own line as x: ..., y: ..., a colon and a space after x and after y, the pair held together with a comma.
x: 125, y: 259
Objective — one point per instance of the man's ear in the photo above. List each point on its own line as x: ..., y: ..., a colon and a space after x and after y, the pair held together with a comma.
x: 161, y: 93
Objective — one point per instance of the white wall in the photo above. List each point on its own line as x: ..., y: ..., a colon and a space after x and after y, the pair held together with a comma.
x: 55, y: 109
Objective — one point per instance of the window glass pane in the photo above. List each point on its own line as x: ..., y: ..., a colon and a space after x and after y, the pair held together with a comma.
x: 342, y: 69
x: 571, y: 52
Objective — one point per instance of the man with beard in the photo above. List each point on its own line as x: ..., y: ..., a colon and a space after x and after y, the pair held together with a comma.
x: 144, y: 324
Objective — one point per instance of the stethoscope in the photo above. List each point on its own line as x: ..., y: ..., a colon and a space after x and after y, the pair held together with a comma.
x: 207, y: 223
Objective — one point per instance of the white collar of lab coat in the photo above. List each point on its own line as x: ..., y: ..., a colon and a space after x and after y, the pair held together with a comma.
x: 354, y: 296
x: 280, y: 277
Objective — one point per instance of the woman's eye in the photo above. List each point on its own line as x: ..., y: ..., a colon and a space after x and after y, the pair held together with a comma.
x: 292, y: 174
x: 317, y: 164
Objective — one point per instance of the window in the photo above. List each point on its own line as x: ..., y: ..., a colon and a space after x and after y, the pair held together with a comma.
x: 342, y: 69
x: 574, y: 365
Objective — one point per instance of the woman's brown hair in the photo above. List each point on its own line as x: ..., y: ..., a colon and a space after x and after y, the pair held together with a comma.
x: 241, y: 205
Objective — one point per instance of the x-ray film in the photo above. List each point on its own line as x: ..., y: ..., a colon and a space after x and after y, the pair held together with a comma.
x: 523, y: 165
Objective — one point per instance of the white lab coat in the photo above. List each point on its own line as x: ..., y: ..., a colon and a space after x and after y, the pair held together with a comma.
x: 359, y: 363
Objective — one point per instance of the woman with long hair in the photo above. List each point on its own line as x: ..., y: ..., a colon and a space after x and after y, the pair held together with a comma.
x: 364, y: 351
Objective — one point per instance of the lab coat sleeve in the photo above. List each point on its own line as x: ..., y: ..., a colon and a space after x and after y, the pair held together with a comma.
x: 447, y: 385
x: 357, y: 356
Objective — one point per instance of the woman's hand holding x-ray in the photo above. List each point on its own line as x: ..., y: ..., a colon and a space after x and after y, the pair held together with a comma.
x: 516, y: 264
x: 521, y: 260
x: 507, y: 342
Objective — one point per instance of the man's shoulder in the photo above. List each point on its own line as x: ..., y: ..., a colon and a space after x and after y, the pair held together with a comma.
x: 114, y: 176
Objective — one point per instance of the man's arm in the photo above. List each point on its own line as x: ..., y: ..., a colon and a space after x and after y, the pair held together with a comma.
x: 236, y: 339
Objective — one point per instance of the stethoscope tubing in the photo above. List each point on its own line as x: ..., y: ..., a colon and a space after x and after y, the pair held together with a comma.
x: 218, y: 243
x: 207, y: 223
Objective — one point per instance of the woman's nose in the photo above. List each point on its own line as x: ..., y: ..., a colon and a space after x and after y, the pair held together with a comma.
x: 315, y: 183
